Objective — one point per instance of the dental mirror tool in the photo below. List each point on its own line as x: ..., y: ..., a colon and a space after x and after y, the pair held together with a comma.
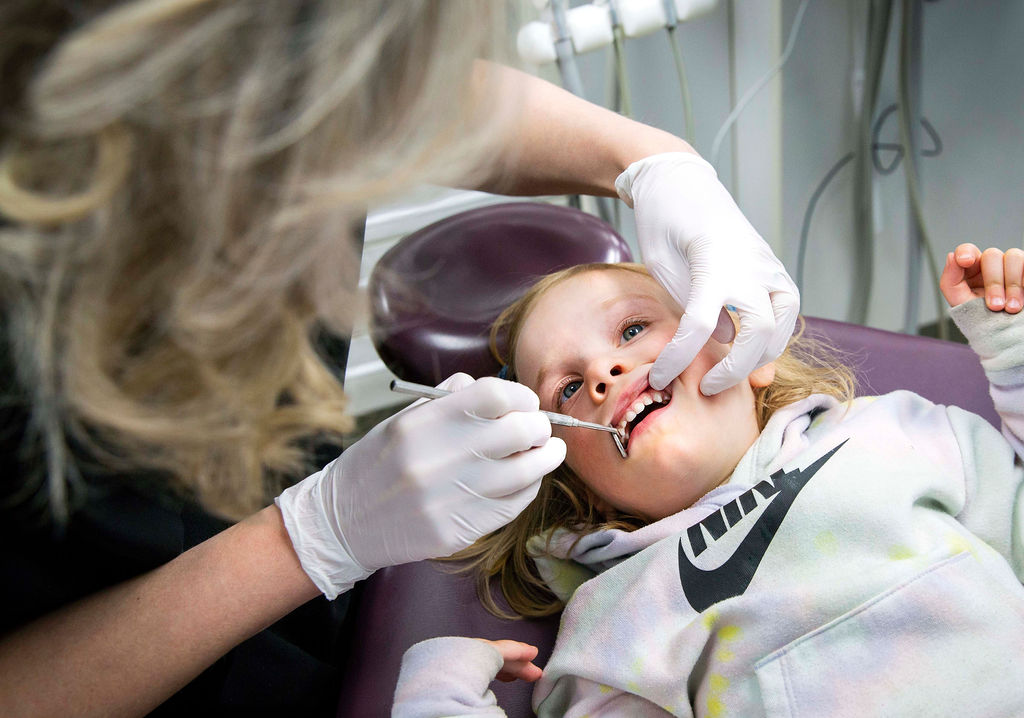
x: 428, y: 392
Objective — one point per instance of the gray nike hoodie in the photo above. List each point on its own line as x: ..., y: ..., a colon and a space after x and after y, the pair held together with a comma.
x: 878, y: 573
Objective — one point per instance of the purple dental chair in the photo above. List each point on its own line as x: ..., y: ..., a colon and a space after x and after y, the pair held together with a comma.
x: 433, y: 297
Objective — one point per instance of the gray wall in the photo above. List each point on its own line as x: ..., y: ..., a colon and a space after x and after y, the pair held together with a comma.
x: 972, y: 92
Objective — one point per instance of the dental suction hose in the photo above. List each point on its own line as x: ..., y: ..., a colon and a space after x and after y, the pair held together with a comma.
x: 567, y: 66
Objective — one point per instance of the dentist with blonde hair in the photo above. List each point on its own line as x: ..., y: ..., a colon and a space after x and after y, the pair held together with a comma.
x: 182, y: 186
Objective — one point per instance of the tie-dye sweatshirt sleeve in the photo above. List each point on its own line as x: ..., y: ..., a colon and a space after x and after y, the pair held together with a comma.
x: 447, y: 677
x: 998, y: 339
x: 994, y: 506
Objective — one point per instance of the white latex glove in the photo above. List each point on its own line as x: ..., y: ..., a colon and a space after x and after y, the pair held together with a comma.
x: 697, y: 243
x: 423, y: 484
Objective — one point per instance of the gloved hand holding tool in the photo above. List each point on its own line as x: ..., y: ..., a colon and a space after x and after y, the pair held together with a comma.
x: 423, y: 484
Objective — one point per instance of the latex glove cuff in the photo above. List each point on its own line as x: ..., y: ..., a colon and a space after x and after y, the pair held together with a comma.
x: 624, y: 182
x: 324, y: 556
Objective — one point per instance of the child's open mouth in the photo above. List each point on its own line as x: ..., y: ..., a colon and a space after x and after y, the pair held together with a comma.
x: 643, y: 406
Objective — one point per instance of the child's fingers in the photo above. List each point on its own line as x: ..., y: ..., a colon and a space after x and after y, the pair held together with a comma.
x: 952, y: 273
x: 519, y: 670
x: 1013, y: 269
x: 517, y: 659
x: 530, y: 673
x: 967, y: 254
x: 515, y: 650
x: 952, y: 282
x: 992, y: 277
x: 996, y: 275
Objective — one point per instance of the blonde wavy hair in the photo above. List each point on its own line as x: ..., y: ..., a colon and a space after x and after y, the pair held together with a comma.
x: 502, y: 557
x: 180, y: 183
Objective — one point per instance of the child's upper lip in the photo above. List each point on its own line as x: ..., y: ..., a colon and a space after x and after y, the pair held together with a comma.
x: 627, y: 396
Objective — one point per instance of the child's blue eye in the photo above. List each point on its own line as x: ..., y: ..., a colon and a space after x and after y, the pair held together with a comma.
x: 631, y: 331
x: 569, y: 389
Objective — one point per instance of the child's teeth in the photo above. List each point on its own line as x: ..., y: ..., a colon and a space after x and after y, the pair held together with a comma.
x: 641, y: 403
x: 624, y: 435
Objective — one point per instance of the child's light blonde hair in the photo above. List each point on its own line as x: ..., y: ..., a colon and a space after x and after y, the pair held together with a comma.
x: 180, y: 185
x: 806, y: 367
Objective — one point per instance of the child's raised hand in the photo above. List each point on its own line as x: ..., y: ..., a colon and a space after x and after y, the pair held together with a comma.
x: 518, y: 657
x: 992, y: 274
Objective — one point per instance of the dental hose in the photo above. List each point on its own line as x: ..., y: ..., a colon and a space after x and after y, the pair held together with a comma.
x: 879, y: 18
x: 677, y: 56
x: 621, y: 100
x: 570, y: 71
x: 910, y: 36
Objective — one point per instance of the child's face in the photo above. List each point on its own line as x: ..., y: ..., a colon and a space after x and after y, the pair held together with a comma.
x: 586, y: 348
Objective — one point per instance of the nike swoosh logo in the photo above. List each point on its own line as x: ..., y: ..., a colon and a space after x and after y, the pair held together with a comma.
x: 704, y: 587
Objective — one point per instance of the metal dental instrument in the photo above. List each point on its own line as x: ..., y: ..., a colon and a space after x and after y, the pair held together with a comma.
x: 428, y: 392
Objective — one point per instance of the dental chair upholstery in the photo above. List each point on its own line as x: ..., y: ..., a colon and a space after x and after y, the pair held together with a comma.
x: 433, y: 296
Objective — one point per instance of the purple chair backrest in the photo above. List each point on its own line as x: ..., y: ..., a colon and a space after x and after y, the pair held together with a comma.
x: 399, y: 606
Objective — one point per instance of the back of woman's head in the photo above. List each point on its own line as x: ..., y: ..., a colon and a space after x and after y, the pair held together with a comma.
x: 180, y: 185
x: 564, y: 501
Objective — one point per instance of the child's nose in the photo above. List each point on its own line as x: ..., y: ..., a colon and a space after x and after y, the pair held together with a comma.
x: 603, y: 377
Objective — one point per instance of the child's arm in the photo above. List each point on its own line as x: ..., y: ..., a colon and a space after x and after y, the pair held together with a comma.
x: 992, y: 328
x: 450, y: 676
x: 984, y: 291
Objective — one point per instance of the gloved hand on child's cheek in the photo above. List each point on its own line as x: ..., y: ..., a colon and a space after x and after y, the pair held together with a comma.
x: 700, y: 247
x: 423, y: 484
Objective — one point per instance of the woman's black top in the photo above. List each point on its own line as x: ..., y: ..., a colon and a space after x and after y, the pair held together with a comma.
x: 125, y: 526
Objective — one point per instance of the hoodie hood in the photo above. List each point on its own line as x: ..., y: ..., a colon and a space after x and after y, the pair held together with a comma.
x: 569, y: 558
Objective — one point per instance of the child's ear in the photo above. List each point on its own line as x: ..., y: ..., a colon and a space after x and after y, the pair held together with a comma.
x: 762, y: 376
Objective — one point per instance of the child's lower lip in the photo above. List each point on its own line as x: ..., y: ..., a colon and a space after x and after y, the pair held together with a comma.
x: 642, y: 426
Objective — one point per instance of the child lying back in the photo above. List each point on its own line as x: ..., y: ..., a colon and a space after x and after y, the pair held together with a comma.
x: 775, y: 549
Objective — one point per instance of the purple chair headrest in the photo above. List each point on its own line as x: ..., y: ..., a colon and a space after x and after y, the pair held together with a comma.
x: 434, y: 295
